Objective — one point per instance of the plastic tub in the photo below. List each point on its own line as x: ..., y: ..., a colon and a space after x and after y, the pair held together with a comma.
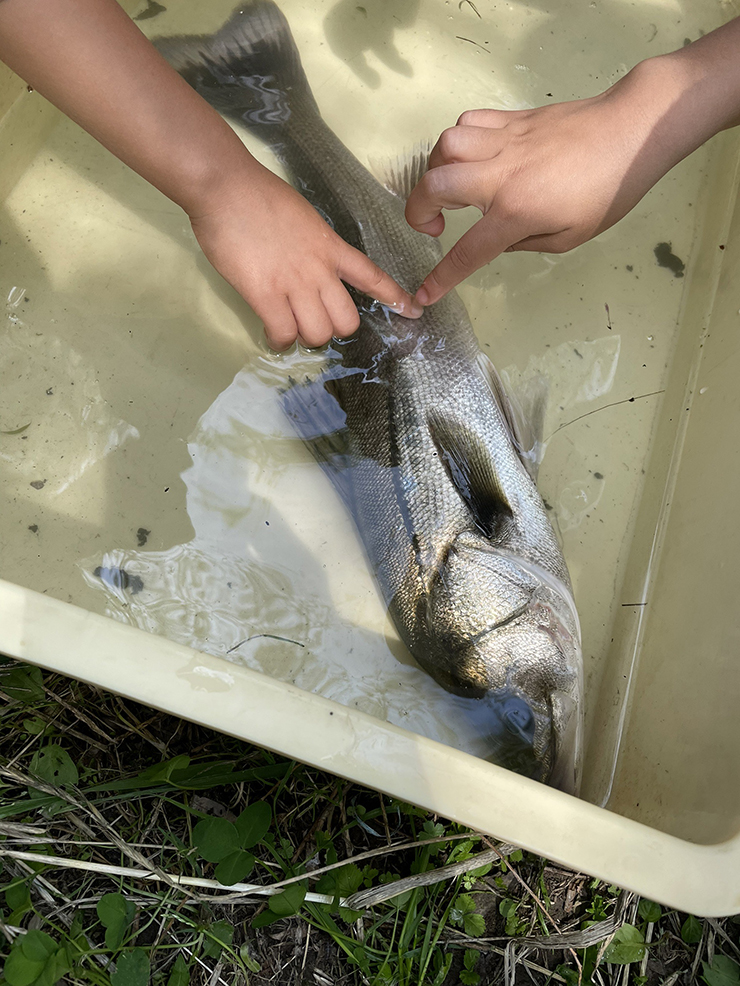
x: 139, y: 434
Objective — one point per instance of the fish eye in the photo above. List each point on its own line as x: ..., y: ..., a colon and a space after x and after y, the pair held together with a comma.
x: 519, y: 719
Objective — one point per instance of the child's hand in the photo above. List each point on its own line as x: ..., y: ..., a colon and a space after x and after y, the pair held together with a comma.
x: 91, y: 60
x: 279, y: 254
x: 548, y: 179
x: 545, y: 179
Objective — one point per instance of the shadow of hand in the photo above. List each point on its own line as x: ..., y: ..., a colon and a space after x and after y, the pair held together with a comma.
x: 352, y: 30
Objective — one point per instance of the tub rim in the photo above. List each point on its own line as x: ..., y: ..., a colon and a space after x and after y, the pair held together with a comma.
x: 61, y: 637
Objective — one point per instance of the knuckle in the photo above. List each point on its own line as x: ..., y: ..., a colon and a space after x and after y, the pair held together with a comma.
x: 433, y: 182
x: 511, y: 211
x: 507, y: 213
x: 312, y: 336
x: 461, y: 258
x: 449, y: 142
x: 375, y: 276
x: 348, y: 324
x: 281, y: 339
x: 281, y: 332
x: 436, y: 280
x: 466, y: 119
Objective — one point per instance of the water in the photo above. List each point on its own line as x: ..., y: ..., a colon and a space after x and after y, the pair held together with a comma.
x: 141, y: 431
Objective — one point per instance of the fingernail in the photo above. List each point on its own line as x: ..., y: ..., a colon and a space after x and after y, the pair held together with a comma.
x: 411, y: 310
x: 422, y: 296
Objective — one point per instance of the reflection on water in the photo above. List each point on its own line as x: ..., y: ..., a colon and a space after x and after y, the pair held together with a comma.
x: 248, y: 588
x: 265, y: 617
x: 265, y: 579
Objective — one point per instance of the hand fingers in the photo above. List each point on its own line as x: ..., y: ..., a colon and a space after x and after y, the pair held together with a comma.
x: 480, y: 245
x: 359, y: 271
x: 493, y: 119
x: 459, y: 144
x: 312, y: 320
x: 315, y: 327
x: 342, y: 310
x: 451, y: 186
x: 279, y: 321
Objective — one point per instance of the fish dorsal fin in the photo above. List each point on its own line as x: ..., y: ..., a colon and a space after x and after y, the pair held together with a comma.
x: 526, y: 427
x: 471, y: 471
x: 403, y: 173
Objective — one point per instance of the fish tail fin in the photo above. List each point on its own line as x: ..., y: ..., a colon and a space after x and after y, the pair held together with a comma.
x: 250, y: 70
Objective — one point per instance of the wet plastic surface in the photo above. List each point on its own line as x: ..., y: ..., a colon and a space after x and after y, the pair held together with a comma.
x: 142, y: 439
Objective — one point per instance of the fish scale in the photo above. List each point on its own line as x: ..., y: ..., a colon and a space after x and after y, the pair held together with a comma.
x: 412, y: 425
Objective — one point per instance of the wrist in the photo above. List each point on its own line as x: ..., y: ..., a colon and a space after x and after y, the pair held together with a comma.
x: 694, y: 92
x: 670, y: 105
x: 214, y: 172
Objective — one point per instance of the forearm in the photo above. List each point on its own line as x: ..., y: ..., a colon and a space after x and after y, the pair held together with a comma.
x: 89, y: 59
x: 689, y: 95
x: 550, y: 178
x: 711, y: 71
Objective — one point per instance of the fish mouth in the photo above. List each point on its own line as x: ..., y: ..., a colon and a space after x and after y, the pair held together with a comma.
x: 539, y: 742
x: 509, y: 729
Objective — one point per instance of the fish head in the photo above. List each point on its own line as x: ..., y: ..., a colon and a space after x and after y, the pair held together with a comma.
x: 508, y: 633
x: 530, y: 707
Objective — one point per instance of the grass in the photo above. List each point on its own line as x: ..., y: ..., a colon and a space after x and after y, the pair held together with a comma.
x: 138, y: 848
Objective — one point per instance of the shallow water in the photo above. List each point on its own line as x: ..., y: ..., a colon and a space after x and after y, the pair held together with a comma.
x: 139, y: 416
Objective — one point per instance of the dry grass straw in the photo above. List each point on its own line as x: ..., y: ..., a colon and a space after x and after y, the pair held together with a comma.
x: 71, y: 844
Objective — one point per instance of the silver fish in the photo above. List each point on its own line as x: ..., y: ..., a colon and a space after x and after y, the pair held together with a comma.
x: 413, y: 426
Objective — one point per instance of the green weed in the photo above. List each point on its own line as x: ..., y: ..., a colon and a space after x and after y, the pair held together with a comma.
x: 137, y: 848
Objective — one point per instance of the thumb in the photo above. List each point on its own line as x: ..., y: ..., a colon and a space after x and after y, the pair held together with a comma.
x: 482, y: 243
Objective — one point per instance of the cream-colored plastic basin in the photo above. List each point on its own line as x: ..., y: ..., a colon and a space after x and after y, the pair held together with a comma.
x: 140, y: 433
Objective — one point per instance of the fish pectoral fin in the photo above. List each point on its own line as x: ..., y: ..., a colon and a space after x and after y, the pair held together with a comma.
x: 525, y: 423
x: 472, y: 472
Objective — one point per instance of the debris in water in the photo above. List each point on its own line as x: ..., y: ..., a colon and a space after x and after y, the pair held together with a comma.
x: 471, y: 42
x: 272, y: 636
x: 152, y: 9
x: 118, y: 578
x: 141, y: 536
x: 471, y: 4
x: 666, y: 258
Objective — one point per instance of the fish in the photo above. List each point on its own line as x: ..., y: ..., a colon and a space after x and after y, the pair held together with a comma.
x: 412, y: 424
